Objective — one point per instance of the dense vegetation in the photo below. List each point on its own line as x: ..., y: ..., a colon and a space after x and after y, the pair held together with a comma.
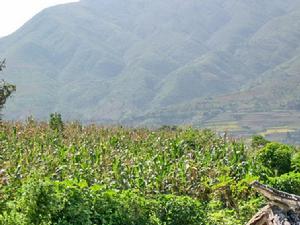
x: 72, y: 174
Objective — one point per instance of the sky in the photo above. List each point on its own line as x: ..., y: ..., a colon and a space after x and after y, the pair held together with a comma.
x: 14, y: 13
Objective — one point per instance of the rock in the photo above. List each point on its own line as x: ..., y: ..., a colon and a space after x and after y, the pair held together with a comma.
x: 283, y: 208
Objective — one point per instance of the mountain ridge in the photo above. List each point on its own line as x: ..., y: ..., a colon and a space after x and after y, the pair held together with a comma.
x: 114, y: 61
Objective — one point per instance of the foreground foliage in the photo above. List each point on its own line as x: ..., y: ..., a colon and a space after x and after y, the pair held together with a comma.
x: 74, y: 174
x: 76, y: 203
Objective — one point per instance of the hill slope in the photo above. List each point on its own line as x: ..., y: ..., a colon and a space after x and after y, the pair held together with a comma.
x: 155, y: 61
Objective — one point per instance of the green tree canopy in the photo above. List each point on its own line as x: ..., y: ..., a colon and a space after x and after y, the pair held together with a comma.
x: 276, y: 157
x: 6, y: 89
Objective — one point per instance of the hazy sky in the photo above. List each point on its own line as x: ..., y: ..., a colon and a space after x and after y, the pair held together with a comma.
x: 14, y: 13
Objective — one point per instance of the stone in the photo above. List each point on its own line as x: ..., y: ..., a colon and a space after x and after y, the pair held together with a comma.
x: 283, y: 208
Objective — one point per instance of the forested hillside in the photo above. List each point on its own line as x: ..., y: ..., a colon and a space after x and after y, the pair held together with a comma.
x: 159, y: 62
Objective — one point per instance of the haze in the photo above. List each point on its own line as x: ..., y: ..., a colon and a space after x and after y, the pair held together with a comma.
x: 227, y: 65
x: 14, y: 13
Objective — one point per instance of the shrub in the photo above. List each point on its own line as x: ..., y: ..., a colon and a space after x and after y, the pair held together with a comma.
x: 117, y: 208
x: 296, y: 162
x: 258, y: 141
x: 180, y: 210
x: 48, y: 203
x: 289, y: 182
x: 74, y: 203
x: 276, y: 157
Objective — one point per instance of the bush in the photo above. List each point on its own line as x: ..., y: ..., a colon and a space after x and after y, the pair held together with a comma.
x: 296, y: 162
x: 176, y: 210
x: 74, y: 203
x: 117, y: 208
x: 258, y: 141
x: 48, y: 203
x: 289, y: 182
x: 276, y: 157
x: 56, y: 122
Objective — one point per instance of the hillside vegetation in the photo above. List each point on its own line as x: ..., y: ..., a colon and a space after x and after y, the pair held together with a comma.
x: 157, y: 62
x: 73, y: 174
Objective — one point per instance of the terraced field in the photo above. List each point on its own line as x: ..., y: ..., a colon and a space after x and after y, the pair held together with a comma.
x: 283, y: 126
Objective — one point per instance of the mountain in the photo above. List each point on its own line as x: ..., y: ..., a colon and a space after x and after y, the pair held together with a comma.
x: 157, y: 62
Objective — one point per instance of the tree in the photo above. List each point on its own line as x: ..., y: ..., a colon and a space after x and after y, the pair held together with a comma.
x: 6, y: 89
x: 56, y: 122
x: 276, y: 157
x: 259, y: 141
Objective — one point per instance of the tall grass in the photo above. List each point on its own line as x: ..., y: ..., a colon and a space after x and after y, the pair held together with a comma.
x: 185, y: 162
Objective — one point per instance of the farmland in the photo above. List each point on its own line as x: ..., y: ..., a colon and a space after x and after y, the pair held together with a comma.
x: 278, y: 125
x: 75, y: 174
